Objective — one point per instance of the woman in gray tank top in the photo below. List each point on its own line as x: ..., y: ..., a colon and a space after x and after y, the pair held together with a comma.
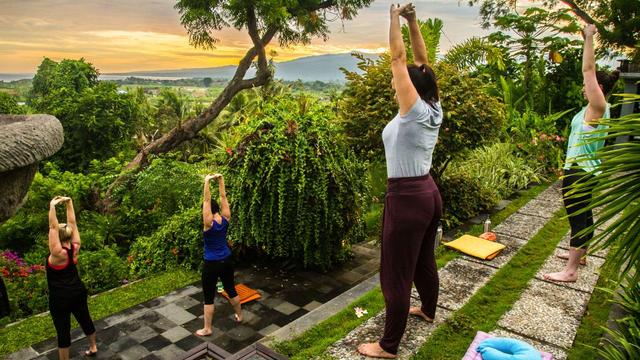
x: 412, y: 205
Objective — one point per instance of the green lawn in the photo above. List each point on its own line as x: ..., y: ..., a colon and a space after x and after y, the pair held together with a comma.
x: 316, y: 340
x: 38, y: 328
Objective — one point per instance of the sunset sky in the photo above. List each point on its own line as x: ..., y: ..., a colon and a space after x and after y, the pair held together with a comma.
x: 125, y: 35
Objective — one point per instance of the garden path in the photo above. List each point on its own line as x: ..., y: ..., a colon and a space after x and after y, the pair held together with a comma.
x: 163, y: 328
x: 547, y: 315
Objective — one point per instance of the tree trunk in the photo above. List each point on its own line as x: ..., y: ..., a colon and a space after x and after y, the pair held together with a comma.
x: 190, y: 128
x: 579, y: 12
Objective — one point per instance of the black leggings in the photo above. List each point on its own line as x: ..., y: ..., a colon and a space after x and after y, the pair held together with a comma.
x: 213, y: 270
x: 583, y: 220
x: 61, y: 308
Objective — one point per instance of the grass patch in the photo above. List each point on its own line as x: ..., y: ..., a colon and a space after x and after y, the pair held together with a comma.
x: 38, y: 328
x: 316, y: 340
x: 484, y: 309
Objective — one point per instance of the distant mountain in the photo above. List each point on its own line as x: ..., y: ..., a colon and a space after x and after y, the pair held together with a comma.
x: 13, y: 77
x: 313, y: 68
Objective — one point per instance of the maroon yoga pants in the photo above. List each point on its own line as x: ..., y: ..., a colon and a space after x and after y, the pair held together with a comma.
x: 412, y: 211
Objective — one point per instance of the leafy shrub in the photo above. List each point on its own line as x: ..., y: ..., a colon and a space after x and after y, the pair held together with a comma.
x: 297, y: 191
x: 499, y: 168
x: 155, y: 194
x: 463, y: 197
x: 8, y: 104
x: 177, y: 242
x: 101, y: 270
x: 367, y: 104
x: 98, y: 121
x: 538, y: 138
x: 485, y: 176
x: 472, y: 117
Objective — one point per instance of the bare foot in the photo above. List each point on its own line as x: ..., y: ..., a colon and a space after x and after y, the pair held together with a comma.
x: 565, y: 256
x: 374, y: 350
x: 562, y: 276
x: 203, y: 332
x: 238, y: 318
x: 414, y: 310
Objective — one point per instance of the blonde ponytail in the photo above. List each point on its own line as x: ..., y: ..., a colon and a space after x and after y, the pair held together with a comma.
x: 64, y: 232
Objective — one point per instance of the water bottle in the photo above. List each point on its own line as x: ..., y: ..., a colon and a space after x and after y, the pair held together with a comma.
x: 487, y: 225
x: 438, y: 237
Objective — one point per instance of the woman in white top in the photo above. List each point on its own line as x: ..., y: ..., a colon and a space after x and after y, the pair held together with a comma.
x: 412, y: 205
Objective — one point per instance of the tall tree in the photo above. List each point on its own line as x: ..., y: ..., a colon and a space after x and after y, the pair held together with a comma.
x: 292, y: 22
x: 618, y: 21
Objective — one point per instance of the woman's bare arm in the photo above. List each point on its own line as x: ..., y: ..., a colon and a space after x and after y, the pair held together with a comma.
x: 55, y: 247
x: 207, y: 216
x: 415, y: 35
x: 407, y: 94
x: 595, y: 95
x: 71, y: 221
x: 225, y: 210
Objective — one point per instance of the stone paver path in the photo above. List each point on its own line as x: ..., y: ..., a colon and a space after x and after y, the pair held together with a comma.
x: 163, y: 327
x: 548, y: 314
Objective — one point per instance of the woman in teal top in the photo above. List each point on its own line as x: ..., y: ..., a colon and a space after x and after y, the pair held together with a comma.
x: 581, y: 163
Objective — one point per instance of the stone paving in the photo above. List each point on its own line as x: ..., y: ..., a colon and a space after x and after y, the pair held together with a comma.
x: 459, y: 280
x: 548, y: 314
x: 163, y: 328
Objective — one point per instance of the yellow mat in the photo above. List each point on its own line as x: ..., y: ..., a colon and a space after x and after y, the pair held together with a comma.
x: 246, y: 293
x: 476, y: 247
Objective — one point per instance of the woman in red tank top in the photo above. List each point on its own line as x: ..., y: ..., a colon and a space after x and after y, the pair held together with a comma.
x: 67, y: 293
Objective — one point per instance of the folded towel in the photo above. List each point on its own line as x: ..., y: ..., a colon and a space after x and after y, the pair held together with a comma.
x: 474, y: 246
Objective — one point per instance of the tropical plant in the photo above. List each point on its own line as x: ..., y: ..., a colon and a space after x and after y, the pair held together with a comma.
x: 475, y: 52
x: 176, y: 242
x: 430, y: 30
x: 296, y: 191
x: 530, y: 34
x: 477, y: 181
x: 617, y: 20
x: 538, y: 138
x: 624, y: 342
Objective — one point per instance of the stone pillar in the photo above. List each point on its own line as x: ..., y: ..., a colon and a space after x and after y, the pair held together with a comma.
x: 24, y: 141
x: 631, y: 86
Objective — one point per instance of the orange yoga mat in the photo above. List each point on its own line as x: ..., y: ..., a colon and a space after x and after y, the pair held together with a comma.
x: 246, y: 293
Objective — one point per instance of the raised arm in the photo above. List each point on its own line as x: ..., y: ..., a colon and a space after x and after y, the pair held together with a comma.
x: 55, y: 247
x: 593, y: 92
x: 207, y: 216
x: 406, y: 92
x: 415, y: 35
x: 225, y: 210
x: 71, y: 222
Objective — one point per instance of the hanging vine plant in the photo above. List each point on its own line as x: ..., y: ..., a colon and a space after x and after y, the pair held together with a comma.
x: 296, y: 192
